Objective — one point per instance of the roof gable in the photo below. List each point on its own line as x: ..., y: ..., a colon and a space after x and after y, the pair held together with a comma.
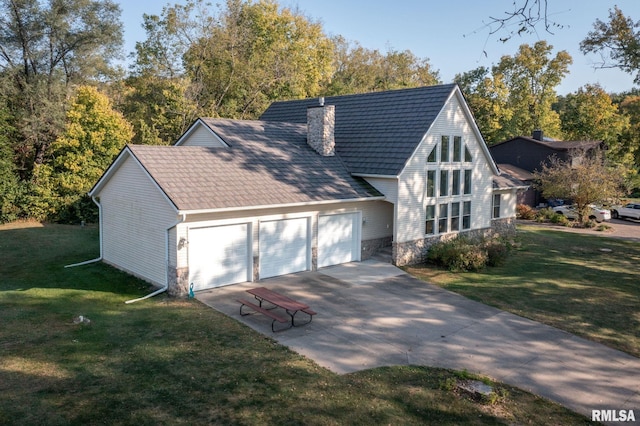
x: 199, y: 134
x: 559, y: 146
x: 265, y: 164
x: 375, y: 133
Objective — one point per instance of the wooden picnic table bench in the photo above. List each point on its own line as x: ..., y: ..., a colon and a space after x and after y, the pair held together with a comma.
x: 290, y: 306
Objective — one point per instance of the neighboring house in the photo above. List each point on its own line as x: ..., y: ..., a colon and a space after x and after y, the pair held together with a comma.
x: 311, y: 184
x: 523, y: 155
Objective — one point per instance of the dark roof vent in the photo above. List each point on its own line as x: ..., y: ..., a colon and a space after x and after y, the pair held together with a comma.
x: 538, y: 135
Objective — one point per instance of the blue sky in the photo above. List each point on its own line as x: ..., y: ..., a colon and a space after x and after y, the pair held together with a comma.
x: 451, y: 34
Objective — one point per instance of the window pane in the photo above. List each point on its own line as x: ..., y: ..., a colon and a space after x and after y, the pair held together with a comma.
x: 444, y: 182
x: 455, y: 185
x: 457, y: 148
x: 431, y: 211
x: 466, y: 215
x: 430, y: 219
x: 467, y: 181
x: 443, y: 211
x: 444, y: 150
x: 496, y: 205
x: 455, y: 209
x: 431, y: 183
x: 467, y: 155
x: 455, y: 216
x: 432, y: 155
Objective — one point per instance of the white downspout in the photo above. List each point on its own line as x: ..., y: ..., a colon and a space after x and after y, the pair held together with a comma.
x: 98, y: 259
x: 166, y: 285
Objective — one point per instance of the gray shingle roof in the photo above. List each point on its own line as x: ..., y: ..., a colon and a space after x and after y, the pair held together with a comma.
x: 265, y: 164
x: 555, y: 144
x: 375, y: 133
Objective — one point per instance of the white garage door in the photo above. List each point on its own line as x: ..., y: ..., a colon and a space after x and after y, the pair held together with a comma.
x: 218, y: 256
x: 284, y: 247
x: 338, y: 239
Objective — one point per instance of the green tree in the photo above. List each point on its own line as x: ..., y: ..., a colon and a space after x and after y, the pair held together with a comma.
x: 360, y: 70
x: 45, y: 49
x: 93, y: 135
x: 257, y: 54
x: 488, y: 98
x: 588, y: 181
x: 11, y: 190
x: 619, y: 39
x: 590, y: 114
x: 159, y: 109
x: 517, y: 96
x: 630, y: 139
x: 531, y: 77
x: 229, y: 62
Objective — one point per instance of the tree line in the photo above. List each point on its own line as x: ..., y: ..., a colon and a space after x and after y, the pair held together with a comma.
x: 67, y: 108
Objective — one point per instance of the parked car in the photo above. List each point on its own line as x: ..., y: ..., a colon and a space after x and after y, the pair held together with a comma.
x: 631, y: 210
x: 596, y: 213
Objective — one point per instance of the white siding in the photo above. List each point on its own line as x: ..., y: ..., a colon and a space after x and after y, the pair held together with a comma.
x: 135, y: 217
x: 508, y: 200
x: 389, y: 187
x: 452, y: 121
x: 201, y: 136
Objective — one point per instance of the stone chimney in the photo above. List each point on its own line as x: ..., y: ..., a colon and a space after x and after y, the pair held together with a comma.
x: 538, y: 135
x: 321, y: 121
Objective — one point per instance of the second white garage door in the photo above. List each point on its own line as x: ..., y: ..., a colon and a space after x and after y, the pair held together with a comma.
x: 284, y: 247
x: 218, y: 255
x: 338, y: 239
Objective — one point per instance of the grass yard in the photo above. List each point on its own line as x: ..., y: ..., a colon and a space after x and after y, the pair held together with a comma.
x: 585, y: 284
x: 168, y: 361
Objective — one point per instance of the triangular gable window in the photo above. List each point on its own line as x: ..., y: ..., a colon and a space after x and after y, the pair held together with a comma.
x: 467, y: 155
x: 432, y: 155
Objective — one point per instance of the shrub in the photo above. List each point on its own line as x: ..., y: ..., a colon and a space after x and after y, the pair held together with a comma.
x: 559, y: 219
x: 458, y: 255
x: 525, y: 212
x: 545, y: 215
x: 497, y: 252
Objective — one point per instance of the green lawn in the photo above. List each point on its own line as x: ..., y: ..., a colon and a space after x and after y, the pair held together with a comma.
x: 586, y: 284
x: 169, y: 361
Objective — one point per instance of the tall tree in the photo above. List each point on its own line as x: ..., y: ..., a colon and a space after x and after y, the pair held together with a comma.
x: 517, y: 96
x: 45, y: 49
x: 532, y: 76
x: 11, y: 190
x: 234, y: 60
x: 259, y: 53
x: 619, y: 39
x: 488, y: 98
x: 630, y: 107
x: 359, y: 70
x: 159, y: 109
x: 93, y: 135
x: 590, y: 114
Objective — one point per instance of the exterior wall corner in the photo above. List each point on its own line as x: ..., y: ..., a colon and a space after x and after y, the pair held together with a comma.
x: 178, y: 282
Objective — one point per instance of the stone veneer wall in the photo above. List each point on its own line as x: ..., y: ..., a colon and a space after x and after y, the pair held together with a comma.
x: 504, y: 227
x: 413, y: 252
x: 370, y: 247
x: 178, y: 282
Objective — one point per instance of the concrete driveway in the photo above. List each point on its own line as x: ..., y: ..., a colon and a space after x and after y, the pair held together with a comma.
x: 372, y: 314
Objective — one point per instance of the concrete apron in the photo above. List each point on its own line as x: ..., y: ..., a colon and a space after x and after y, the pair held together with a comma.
x: 372, y: 314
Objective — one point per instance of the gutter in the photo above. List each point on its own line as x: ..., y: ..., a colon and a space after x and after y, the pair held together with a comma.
x: 166, y: 285
x: 97, y: 259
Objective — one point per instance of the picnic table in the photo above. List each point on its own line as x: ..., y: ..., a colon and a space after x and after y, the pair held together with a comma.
x: 276, y: 300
